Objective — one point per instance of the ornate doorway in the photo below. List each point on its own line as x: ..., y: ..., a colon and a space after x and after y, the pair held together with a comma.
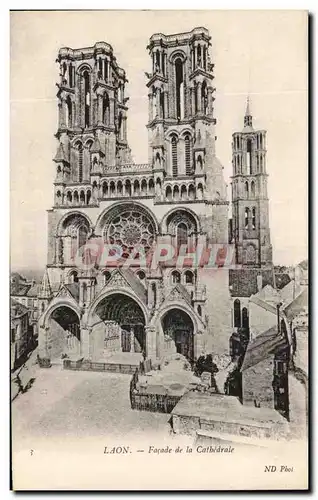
x: 127, y: 314
x: 178, y: 333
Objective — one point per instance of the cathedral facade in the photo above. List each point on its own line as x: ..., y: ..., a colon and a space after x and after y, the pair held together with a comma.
x: 178, y: 200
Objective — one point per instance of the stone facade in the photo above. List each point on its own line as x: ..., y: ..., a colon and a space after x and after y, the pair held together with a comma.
x: 178, y: 198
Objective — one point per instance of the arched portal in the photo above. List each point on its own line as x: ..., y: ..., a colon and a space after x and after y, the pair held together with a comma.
x: 64, y: 333
x: 178, y: 333
x: 119, y: 325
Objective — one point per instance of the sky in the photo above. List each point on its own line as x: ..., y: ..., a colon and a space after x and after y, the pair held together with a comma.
x: 260, y: 53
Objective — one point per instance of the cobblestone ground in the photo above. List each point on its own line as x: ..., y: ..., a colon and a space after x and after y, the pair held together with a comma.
x: 63, y: 404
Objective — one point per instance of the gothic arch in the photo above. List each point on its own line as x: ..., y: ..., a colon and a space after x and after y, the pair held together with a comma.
x: 184, y: 215
x: 113, y: 291
x: 177, y: 54
x: 55, y: 304
x: 70, y: 215
x: 110, y: 212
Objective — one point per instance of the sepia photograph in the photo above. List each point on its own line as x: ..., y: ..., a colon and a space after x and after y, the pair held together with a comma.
x: 159, y: 250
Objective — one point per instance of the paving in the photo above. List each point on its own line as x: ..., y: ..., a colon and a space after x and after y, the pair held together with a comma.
x: 63, y: 404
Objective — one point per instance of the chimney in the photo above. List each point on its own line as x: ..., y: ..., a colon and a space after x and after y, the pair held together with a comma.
x: 259, y: 282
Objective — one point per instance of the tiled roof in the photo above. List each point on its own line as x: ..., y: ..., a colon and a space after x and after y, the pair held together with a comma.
x: 263, y: 346
x: 243, y: 282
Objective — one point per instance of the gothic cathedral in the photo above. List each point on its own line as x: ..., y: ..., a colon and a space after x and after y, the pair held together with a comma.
x: 179, y: 198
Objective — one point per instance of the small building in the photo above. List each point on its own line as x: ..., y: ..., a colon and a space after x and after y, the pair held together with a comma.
x: 265, y: 371
x: 26, y: 293
x: 21, y: 334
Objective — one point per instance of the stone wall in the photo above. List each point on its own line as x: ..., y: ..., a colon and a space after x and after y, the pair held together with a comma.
x: 257, y: 384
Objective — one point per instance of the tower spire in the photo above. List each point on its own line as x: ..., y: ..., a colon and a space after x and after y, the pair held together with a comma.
x: 248, y: 119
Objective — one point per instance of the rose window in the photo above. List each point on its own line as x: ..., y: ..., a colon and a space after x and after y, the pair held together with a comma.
x: 129, y: 229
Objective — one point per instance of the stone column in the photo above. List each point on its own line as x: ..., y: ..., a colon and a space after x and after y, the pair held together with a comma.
x: 150, y: 107
x: 192, y: 90
x: 150, y: 332
x: 158, y: 103
x: 199, y: 97
x: 100, y: 109
x: 85, y: 338
x: 111, y: 111
x: 132, y: 340
x: 166, y: 102
x: 210, y: 101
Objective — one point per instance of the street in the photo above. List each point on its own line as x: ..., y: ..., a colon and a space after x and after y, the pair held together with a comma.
x: 62, y: 404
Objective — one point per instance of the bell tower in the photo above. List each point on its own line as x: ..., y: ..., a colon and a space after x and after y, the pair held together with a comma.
x: 251, y: 233
x: 92, y: 132
x: 180, y: 93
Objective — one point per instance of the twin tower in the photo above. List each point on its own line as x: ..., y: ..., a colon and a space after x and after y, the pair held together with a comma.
x: 92, y: 135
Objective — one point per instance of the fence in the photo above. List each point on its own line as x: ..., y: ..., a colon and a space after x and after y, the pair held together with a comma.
x: 160, y: 403
x: 98, y: 366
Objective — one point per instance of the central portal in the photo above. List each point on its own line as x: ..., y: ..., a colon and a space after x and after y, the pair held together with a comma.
x: 178, y: 333
x: 122, y: 325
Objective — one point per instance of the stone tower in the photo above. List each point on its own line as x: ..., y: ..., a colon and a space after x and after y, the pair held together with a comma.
x: 250, y: 231
x: 92, y: 121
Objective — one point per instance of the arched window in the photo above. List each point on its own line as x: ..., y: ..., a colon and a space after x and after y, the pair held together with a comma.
x: 128, y: 187
x: 204, y: 97
x: 188, y: 275
x: 187, y: 154
x: 174, y: 156
x: 88, y: 197
x: 87, y: 98
x: 151, y: 187
x: 168, y: 193
x: 253, y: 189
x: 68, y: 112
x: 106, y: 114
x: 105, y: 189
x: 69, y: 197
x: 249, y: 157
x: 246, y: 189
x: 179, y: 89
x: 76, y: 200
x: 199, y: 163
x: 204, y: 57
x: 191, y: 192
x: 73, y: 276
x: 82, y: 236
x: 119, y: 188
x: 176, y: 193
x: 253, y: 218
x: 247, y: 215
x: 199, y: 310
x: 82, y: 197
x: 71, y: 75
x: 175, y: 277
x: 184, y: 194
x: 181, y: 234
x: 237, y: 313
x: 162, y: 104
x: 245, y: 320
x: 136, y: 188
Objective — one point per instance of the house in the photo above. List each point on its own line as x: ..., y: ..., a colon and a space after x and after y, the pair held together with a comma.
x: 21, y: 335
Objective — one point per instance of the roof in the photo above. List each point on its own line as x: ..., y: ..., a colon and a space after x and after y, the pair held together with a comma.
x: 60, y: 154
x: 33, y: 291
x: 73, y: 288
x: 281, y: 280
x: 297, y: 306
x: 19, y: 289
x: 263, y: 346
x: 243, y: 282
x: 17, y: 309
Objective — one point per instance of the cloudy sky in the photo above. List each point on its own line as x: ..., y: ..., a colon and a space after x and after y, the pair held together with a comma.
x: 263, y: 53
